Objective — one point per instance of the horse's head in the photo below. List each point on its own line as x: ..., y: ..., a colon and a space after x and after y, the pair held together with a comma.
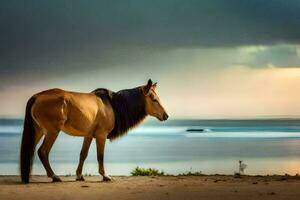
x: 153, y: 104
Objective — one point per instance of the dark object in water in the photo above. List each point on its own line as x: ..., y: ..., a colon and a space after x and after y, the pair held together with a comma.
x: 195, y: 130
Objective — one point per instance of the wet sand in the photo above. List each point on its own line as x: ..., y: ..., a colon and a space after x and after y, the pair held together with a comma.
x: 164, y: 187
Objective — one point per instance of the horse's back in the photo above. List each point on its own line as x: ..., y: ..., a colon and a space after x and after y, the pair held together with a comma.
x: 73, y: 112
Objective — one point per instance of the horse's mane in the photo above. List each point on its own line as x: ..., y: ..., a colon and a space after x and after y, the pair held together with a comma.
x: 128, y: 106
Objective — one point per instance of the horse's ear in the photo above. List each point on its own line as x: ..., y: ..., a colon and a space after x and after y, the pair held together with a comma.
x: 149, y: 83
x: 147, y: 88
x: 154, y: 85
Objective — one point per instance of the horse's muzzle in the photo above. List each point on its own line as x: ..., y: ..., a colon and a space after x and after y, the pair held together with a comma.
x: 165, y: 116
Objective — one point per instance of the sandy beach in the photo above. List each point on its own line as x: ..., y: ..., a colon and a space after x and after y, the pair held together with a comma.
x: 165, y: 187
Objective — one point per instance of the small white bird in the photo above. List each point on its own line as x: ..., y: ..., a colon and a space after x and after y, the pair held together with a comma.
x: 242, y: 167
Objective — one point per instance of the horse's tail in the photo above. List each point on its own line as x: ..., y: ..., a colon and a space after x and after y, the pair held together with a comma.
x: 28, y: 143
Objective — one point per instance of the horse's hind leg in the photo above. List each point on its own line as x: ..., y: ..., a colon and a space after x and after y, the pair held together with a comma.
x: 43, y: 153
x: 38, y: 134
x: 83, y: 154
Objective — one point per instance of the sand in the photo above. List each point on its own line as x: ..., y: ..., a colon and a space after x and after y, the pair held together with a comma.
x: 166, y: 187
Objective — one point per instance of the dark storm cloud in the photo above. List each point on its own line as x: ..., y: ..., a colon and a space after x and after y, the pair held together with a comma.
x: 48, y: 36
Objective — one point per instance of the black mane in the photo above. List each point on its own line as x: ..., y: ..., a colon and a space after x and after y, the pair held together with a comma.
x: 128, y: 106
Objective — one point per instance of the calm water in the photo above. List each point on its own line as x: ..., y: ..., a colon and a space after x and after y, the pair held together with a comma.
x: 266, y: 146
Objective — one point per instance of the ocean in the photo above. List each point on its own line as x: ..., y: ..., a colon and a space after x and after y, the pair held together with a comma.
x: 175, y: 146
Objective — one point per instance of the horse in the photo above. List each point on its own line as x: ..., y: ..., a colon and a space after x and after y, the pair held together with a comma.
x: 101, y: 114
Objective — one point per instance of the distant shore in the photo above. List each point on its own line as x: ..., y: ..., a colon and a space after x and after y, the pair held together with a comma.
x: 157, y: 187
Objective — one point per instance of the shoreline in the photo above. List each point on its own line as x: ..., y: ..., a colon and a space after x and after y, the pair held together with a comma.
x: 153, y: 187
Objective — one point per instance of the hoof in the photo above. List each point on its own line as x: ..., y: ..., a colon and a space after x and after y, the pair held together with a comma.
x: 107, y: 178
x: 56, y: 179
x: 80, y: 178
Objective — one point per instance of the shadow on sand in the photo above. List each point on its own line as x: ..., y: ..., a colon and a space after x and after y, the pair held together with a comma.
x: 15, y: 180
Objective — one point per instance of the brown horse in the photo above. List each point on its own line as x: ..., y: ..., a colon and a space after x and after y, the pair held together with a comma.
x: 100, y: 114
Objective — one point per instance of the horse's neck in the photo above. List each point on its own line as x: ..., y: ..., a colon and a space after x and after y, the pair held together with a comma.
x: 131, y: 106
x: 129, y: 109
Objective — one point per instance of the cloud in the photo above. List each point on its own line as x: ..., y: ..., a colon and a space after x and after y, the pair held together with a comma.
x: 275, y: 56
x: 53, y: 34
x: 298, y: 51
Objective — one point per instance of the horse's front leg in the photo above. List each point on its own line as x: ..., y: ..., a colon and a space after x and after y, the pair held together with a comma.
x: 100, y: 142
x: 83, y: 154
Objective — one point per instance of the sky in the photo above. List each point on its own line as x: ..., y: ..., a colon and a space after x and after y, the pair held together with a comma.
x: 211, y: 59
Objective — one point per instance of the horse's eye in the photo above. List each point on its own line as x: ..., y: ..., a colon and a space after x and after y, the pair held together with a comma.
x: 154, y: 100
